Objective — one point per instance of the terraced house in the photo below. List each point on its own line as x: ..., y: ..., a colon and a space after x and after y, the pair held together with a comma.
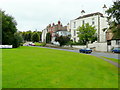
x: 53, y: 30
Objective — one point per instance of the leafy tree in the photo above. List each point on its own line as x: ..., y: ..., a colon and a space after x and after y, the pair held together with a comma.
x: 8, y: 30
x: 17, y: 40
x: 40, y: 34
x: 86, y: 33
x: 35, y: 37
x: 114, y: 19
x: 114, y: 12
x: 48, y: 37
x: 27, y: 36
x: 0, y: 27
x: 63, y: 40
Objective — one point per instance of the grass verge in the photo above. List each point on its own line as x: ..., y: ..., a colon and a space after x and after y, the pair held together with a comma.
x: 112, y: 59
x: 34, y: 67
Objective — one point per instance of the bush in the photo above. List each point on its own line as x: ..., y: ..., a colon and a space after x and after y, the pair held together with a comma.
x: 63, y: 40
x: 42, y: 44
x: 39, y: 44
x: 78, y: 43
x: 17, y: 40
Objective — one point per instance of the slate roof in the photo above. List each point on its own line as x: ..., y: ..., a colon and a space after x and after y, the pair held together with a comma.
x: 88, y: 15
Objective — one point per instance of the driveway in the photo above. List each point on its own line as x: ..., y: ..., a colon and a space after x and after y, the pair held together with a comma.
x: 109, y: 55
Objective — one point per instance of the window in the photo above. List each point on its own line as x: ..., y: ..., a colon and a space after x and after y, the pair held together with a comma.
x: 74, y: 39
x: 74, y: 33
x: 117, y: 42
x: 74, y: 24
x: 93, y: 22
x: 83, y: 22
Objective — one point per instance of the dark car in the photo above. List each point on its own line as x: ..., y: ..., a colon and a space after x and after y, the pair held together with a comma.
x: 116, y: 50
x: 86, y: 50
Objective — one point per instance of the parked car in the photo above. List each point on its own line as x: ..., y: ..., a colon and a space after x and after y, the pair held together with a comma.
x: 55, y: 43
x: 116, y: 50
x: 85, y: 50
x: 31, y: 44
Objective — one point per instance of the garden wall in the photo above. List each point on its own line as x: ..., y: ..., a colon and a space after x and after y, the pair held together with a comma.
x: 6, y: 46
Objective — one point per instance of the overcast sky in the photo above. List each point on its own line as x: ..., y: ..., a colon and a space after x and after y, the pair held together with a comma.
x: 37, y: 14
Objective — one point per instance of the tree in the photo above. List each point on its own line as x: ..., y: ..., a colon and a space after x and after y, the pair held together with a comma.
x: 17, y: 40
x: 114, y: 19
x: 40, y: 34
x: 29, y: 35
x: 63, y: 40
x: 8, y: 30
x: 48, y: 37
x: 35, y: 37
x: 86, y: 33
x: 114, y: 12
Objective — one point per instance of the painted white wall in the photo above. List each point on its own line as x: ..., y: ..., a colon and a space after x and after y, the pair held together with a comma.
x: 44, y: 32
x: 79, y: 46
x: 114, y: 44
x: 101, y: 47
x: 6, y: 46
x: 96, y: 46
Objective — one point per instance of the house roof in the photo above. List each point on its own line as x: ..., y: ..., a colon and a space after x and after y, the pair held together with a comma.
x: 88, y: 15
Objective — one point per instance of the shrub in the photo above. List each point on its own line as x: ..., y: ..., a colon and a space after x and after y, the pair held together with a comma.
x: 42, y: 44
x: 39, y: 44
x: 63, y: 40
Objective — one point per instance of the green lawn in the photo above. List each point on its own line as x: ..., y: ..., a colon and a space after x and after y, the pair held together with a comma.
x: 34, y: 67
x: 113, y: 59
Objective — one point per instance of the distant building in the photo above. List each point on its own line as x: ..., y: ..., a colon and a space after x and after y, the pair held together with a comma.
x: 97, y: 19
x: 44, y: 32
x: 53, y: 30
x: 60, y: 33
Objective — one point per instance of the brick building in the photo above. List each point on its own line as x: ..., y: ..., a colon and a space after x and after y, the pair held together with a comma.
x: 52, y: 29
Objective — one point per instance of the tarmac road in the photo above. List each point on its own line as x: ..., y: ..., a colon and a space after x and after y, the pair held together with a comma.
x: 109, y: 55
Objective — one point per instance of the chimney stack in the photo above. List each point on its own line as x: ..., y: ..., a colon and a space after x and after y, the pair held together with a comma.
x: 104, y: 10
x: 82, y: 12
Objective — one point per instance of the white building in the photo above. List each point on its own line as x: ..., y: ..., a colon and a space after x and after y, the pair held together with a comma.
x: 97, y: 19
x: 44, y: 32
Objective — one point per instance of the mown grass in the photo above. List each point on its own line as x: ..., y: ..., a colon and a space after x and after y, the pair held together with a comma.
x: 113, y: 59
x: 34, y: 67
